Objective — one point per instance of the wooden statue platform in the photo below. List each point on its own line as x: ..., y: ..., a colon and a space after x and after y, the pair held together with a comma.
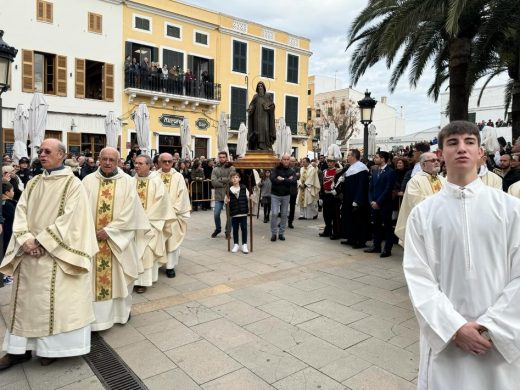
x: 257, y: 159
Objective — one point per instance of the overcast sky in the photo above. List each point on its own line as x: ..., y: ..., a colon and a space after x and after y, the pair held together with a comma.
x: 326, y: 23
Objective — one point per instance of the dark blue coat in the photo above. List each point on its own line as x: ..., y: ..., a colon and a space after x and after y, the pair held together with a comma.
x: 381, y: 186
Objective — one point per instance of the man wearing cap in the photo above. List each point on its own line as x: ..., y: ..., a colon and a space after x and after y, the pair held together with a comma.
x: 24, y: 173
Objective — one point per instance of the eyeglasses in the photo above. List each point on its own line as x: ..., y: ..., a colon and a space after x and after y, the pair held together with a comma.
x: 433, y: 160
x: 167, y: 161
x: 43, y: 151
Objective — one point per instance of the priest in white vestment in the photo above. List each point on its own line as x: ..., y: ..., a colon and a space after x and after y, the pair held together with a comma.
x: 50, y: 256
x: 489, y: 178
x: 118, y: 216
x: 157, y: 205
x: 462, y: 266
x: 425, y: 183
x: 308, y: 190
x: 180, y: 200
x: 514, y: 189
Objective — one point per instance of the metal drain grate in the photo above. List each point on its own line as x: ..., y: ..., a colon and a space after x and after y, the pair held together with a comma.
x: 113, y: 373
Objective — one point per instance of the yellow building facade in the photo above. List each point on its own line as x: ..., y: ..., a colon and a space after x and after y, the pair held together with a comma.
x: 227, y: 57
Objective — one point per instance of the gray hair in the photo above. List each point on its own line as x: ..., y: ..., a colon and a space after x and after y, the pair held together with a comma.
x: 147, y: 159
x: 110, y: 149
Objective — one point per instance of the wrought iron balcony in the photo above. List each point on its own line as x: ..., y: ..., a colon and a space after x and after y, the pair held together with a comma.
x: 187, y: 92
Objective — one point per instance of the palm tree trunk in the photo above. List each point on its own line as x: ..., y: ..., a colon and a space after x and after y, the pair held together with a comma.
x: 460, y: 55
x: 515, y: 110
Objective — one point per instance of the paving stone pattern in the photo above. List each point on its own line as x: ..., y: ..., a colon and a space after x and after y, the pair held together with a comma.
x: 306, y: 313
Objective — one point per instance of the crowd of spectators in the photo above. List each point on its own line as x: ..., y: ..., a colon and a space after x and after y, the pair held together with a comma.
x: 161, y: 78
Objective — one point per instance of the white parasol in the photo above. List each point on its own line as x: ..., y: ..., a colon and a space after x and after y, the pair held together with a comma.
x: 142, y: 128
x: 372, y: 140
x: 242, y: 140
x: 21, y: 132
x: 37, y: 122
x: 288, y: 141
x: 185, y: 139
x: 279, y: 144
x: 112, y: 129
x: 222, y: 136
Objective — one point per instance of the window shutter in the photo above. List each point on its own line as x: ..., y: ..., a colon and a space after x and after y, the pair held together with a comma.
x: 128, y: 49
x: 48, y: 12
x: 155, y: 55
x: 99, y: 23
x: 211, y: 71
x: 27, y: 71
x: 108, y: 82
x: 61, y: 89
x: 291, y: 113
x: 80, y: 78
x: 190, y: 63
x: 40, y: 10
x: 91, y: 22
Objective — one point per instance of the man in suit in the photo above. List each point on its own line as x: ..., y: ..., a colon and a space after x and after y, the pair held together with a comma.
x: 380, y: 199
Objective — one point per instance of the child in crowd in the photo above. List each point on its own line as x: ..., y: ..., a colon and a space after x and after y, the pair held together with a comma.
x: 8, y: 209
x: 265, y: 194
x: 238, y: 203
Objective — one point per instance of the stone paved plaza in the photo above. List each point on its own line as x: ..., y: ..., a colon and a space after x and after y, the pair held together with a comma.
x: 307, y: 313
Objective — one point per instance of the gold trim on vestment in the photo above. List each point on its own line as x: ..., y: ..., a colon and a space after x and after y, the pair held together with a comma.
x: 36, y: 179
x: 142, y: 191
x: 17, y: 281
x: 65, y: 246
x: 435, y: 183
x: 166, y: 179
x: 103, y: 259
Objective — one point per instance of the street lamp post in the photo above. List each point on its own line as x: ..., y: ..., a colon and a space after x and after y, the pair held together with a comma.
x: 366, y: 107
x: 7, y: 55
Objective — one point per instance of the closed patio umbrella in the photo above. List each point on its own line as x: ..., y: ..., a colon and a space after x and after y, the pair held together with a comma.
x: 112, y: 129
x: 37, y: 122
x: 242, y: 140
x: 142, y: 128
x: 185, y: 139
x: 222, y: 134
x: 21, y: 132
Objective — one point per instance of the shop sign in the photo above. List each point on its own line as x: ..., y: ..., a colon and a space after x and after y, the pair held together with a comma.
x: 171, y: 120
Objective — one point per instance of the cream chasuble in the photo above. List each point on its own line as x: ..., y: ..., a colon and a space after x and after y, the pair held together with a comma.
x: 180, y: 200
x: 462, y: 263
x: 418, y: 188
x: 514, y: 189
x: 51, y: 295
x: 116, y: 208
x: 308, y: 197
x: 490, y: 179
x: 161, y: 216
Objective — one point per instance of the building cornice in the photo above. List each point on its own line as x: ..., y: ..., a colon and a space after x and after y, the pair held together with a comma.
x: 267, y: 42
x: 170, y: 15
x: 115, y: 2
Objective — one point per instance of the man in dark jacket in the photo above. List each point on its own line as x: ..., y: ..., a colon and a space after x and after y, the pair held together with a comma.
x: 380, y: 198
x: 282, y: 177
x: 220, y: 182
x: 89, y: 167
x: 355, y: 208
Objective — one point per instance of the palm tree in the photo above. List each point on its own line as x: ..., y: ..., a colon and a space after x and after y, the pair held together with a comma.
x: 417, y: 33
x: 497, y: 51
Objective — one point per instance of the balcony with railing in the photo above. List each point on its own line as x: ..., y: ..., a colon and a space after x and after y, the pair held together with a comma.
x: 168, y: 90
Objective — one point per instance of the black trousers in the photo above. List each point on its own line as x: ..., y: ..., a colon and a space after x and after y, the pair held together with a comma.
x: 292, y: 207
x: 331, y: 215
x: 236, y: 223
x: 383, y: 229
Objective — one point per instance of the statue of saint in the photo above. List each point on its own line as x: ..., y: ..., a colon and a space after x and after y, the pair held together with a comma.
x: 261, y: 130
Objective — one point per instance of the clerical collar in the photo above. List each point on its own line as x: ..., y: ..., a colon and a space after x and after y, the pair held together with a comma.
x: 110, y: 174
x: 50, y: 170
x: 142, y: 177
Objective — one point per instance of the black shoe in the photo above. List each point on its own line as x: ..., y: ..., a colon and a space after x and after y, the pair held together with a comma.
x: 333, y: 237
x: 281, y: 237
x: 359, y: 246
x: 301, y: 217
x: 324, y: 234
x: 291, y: 226
x: 10, y: 359
x: 347, y: 242
x: 215, y: 233
x: 372, y: 249
x: 273, y: 237
x: 170, y: 273
x: 385, y: 254
x: 266, y: 220
x: 45, y: 361
x: 315, y: 217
